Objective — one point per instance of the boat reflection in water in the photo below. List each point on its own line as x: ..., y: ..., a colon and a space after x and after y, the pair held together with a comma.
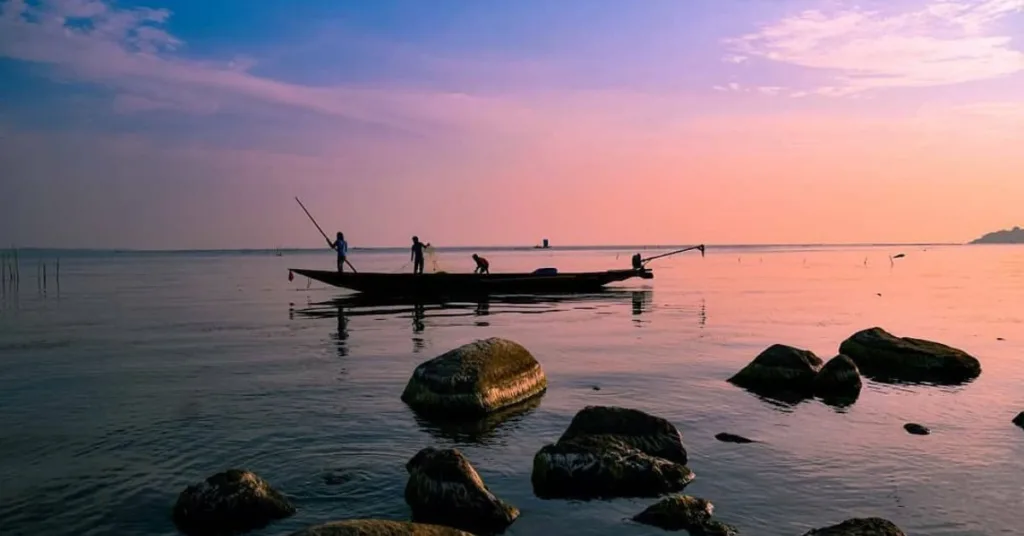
x: 425, y: 312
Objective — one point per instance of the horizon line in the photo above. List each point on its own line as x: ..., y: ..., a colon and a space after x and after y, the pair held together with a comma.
x: 482, y: 247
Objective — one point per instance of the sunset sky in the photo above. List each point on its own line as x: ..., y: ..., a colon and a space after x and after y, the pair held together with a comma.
x: 195, y: 123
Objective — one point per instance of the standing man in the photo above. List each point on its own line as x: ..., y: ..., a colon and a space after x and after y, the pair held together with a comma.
x: 417, y: 255
x: 341, y: 246
x: 482, y: 266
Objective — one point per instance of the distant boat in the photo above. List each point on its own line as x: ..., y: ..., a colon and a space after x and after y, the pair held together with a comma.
x: 544, y: 280
x: 543, y: 246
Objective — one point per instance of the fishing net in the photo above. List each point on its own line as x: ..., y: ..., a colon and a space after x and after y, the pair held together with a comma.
x: 432, y: 259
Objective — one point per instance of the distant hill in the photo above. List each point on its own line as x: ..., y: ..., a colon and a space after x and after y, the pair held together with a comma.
x: 1012, y: 236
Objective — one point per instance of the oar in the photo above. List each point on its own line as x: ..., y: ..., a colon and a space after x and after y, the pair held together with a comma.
x: 649, y: 259
x: 322, y: 231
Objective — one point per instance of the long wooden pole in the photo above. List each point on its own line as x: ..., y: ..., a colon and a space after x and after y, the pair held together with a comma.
x: 322, y: 231
x: 700, y: 247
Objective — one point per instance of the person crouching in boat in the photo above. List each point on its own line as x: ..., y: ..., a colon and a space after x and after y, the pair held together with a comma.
x: 482, y: 266
x: 341, y: 246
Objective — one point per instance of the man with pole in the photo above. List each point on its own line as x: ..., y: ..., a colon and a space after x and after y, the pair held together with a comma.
x: 340, y: 245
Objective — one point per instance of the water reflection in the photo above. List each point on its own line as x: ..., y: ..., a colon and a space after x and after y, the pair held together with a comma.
x: 480, y: 431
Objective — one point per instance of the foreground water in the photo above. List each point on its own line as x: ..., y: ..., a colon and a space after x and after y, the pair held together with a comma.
x: 146, y: 373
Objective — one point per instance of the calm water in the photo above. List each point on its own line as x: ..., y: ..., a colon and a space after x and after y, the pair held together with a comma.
x: 146, y: 373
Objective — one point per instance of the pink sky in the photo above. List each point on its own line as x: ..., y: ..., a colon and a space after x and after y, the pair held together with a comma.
x: 815, y: 123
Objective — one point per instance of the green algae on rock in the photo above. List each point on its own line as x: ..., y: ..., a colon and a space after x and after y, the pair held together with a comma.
x: 885, y: 357
x: 444, y: 488
x: 475, y: 379
x: 612, y: 452
x: 780, y: 369
x: 230, y: 502
x: 865, y: 526
x: 378, y: 527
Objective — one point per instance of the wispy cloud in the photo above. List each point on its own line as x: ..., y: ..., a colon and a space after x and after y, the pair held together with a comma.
x: 941, y: 43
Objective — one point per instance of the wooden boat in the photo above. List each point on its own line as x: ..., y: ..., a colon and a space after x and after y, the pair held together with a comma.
x: 441, y: 284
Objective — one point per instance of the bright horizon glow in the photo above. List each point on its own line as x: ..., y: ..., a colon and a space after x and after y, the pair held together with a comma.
x: 159, y: 124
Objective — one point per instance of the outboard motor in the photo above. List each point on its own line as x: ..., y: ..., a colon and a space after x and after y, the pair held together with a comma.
x: 637, y: 262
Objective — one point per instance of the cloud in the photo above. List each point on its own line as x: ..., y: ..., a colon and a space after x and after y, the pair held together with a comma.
x: 942, y: 43
x: 130, y: 52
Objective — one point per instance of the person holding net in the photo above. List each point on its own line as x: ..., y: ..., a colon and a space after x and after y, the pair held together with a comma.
x: 417, y: 255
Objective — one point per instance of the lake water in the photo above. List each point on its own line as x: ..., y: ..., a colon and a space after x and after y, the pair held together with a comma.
x: 145, y: 373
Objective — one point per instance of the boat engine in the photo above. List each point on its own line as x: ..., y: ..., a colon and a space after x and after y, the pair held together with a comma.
x: 638, y: 262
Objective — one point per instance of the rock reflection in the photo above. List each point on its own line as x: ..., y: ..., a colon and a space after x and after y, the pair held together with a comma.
x: 480, y: 431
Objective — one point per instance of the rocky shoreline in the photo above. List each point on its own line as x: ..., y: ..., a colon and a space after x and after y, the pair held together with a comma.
x: 605, y: 452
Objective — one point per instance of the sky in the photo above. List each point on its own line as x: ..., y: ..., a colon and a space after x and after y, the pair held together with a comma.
x: 160, y: 124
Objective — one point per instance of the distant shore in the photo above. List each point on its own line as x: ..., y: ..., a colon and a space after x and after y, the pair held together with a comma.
x: 1005, y: 236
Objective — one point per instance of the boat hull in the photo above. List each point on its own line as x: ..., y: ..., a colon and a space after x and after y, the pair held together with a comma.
x: 441, y: 284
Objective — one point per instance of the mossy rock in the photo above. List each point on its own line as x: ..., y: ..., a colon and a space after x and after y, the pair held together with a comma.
x: 378, y: 527
x: 475, y: 379
x: 444, y: 488
x: 869, y: 526
x: 230, y: 502
x: 647, y: 433
x: 838, y: 380
x: 780, y: 369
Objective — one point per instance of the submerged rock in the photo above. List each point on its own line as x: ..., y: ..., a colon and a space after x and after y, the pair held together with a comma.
x: 645, y: 432
x: 839, y: 379
x: 916, y: 429
x: 475, y: 379
x: 378, y: 527
x: 883, y: 356
x: 602, y: 466
x: 779, y: 369
x: 732, y: 438
x: 612, y: 452
x: 1019, y: 419
x: 869, y: 526
x: 677, y: 512
x: 444, y: 488
x: 229, y: 502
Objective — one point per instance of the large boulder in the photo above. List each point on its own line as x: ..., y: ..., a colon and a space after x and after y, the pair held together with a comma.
x: 645, y: 432
x: 883, y: 356
x: 870, y: 526
x: 780, y: 370
x: 229, y: 502
x: 838, y: 380
x: 378, y: 527
x: 445, y: 489
x: 475, y: 379
x: 1019, y: 419
x: 612, y: 452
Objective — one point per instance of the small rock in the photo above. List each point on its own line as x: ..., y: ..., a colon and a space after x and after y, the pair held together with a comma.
x: 838, y: 379
x: 779, y: 368
x: 882, y: 356
x: 732, y: 438
x: 378, y: 527
x: 475, y: 379
x: 232, y: 501
x: 445, y: 489
x: 1019, y: 419
x: 870, y: 526
x: 715, y: 528
x: 596, y: 388
x: 916, y: 429
x: 677, y: 512
x: 1000, y: 339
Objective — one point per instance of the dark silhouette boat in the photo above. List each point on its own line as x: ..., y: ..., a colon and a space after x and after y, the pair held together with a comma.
x: 544, y: 280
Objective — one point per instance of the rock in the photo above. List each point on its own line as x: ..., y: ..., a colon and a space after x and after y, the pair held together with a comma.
x: 870, y: 526
x: 445, y: 489
x: 732, y: 438
x: 884, y: 357
x: 645, y: 432
x: 838, y: 379
x: 378, y: 527
x: 475, y: 379
x: 916, y: 429
x: 779, y: 369
x: 603, y: 466
x: 677, y: 512
x: 229, y: 502
x: 1019, y: 419
x: 715, y: 528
